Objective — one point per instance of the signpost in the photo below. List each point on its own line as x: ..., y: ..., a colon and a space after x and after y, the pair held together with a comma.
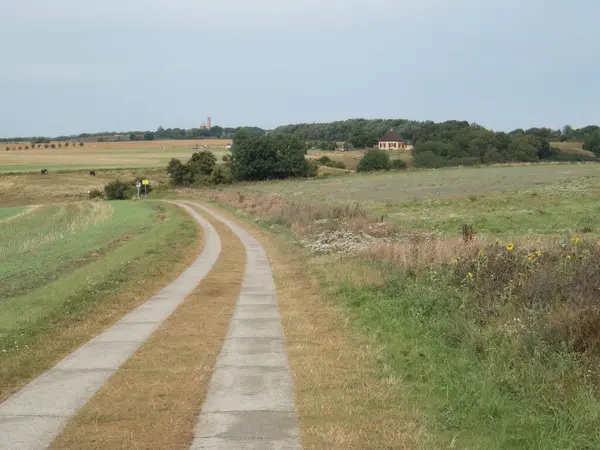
x: 138, y: 185
x: 146, y: 183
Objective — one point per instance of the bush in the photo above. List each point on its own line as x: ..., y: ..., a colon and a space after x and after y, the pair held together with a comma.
x: 52, y: 146
x: 117, y: 190
x: 95, y: 194
x: 328, y: 162
x: 203, y: 163
x: 398, y: 164
x: 226, y: 158
x: 374, y: 160
x: 220, y: 175
x: 313, y: 169
x: 81, y: 144
x: 66, y: 144
x: 427, y: 159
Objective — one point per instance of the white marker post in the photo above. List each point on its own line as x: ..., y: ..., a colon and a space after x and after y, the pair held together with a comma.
x: 138, y: 185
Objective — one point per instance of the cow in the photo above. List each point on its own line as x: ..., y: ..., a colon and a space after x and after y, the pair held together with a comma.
x: 44, y: 171
x: 92, y: 173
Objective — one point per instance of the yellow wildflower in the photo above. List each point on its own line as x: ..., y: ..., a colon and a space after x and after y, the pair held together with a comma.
x: 530, y: 257
x: 568, y: 257
x: 575, y: 240
x: 538, y: 253
x: 470, y: 275
x: 510, y: 246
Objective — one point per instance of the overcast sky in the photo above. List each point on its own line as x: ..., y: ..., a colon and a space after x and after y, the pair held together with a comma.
x: 72, y: 66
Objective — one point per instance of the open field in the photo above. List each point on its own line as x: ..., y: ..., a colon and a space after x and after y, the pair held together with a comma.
x: 67, y: 269
x: 33, y: 189
x: 534, y: 199
x: 109, y: 155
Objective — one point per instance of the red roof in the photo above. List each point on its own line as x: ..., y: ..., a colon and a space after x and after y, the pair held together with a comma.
x: 391, y: 136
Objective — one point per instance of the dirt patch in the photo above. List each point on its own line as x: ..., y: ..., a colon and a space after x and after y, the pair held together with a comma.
x: 153, y: 401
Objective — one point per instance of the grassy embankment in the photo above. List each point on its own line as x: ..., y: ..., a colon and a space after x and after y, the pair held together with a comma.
x: 69, y: 270
x: 490, y: 341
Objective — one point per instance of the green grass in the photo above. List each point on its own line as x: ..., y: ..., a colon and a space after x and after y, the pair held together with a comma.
x: 473, y: 387
x: 47, y: 322
x: 502, y: 201
x: 5, y: 213
x: 39, y: 247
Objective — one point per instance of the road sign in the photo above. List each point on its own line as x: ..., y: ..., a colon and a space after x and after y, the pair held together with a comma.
x: 138, y: 184
x: 145, y: 182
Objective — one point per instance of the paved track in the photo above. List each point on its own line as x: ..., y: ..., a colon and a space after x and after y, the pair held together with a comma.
x: 250, y: 401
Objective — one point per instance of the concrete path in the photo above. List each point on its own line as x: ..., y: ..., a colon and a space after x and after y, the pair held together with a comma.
x: 250, y: 402
x: 33, y: 417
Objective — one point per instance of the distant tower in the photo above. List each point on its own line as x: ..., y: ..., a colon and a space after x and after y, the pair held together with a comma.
x: 208, y: 123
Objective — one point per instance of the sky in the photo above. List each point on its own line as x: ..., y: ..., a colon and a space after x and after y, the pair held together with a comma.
x: 73, y: 66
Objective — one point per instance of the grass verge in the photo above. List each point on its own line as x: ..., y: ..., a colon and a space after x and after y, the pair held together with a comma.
x: 341, y: 400
x: 154, y: 399
x: 80, y: 304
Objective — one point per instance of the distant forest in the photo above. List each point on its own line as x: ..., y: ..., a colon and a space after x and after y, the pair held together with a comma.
x: 454, y: 142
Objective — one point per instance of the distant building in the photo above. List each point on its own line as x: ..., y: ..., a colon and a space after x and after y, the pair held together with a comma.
x: 393, y: 141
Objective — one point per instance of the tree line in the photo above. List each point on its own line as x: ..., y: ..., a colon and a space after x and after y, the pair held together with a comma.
x: 456, y: 142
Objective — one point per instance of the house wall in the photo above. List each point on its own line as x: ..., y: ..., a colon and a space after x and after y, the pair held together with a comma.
x: 394, y: 146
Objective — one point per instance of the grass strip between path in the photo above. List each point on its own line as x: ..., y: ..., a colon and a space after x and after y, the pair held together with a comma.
x: 130, y: 274
x: 153, y: 401
x: 341, y: 401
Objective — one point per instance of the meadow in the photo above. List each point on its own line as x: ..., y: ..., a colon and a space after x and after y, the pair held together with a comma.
x: 476, y: 289
x: 104, y: 155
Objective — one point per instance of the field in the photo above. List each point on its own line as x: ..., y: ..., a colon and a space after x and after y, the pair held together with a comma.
x: 105, y: 155
x: 59, y: 262
x: 477, y: 289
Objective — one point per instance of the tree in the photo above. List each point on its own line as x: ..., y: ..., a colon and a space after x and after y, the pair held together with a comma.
x: 203, y: 162
x: 179, y: 173
x: 361, y: 138
x: 274, y: 156
x: 374, y: 160
x: 592, y: 143
x: 132, y: 137
x: 523, y: 149
x: 148, y: 136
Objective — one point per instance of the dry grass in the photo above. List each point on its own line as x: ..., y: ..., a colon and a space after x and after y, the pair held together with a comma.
x: 152, y: 402
x: 64, y: 339
x: 33, y: 188
x: 97, y: 155
x: 341, y: 402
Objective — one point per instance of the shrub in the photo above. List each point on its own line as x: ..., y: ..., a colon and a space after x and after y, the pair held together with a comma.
x: 226, y: 158
x: 27, y: 147
x: 220, y: 175
x: 59, y: 145
x: 52, y: 146
x: 95, y: 194
x: 398, y: 164
x: 20, y: 148
x: 328, y: 162
x: 203, y: 162
x: 313, y: 169
x: 427, y: 159
x: 117, y: 190
x: 374, y: 160
x: 81, y: 144
x: 7, y: 148
x: 66, y: 144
